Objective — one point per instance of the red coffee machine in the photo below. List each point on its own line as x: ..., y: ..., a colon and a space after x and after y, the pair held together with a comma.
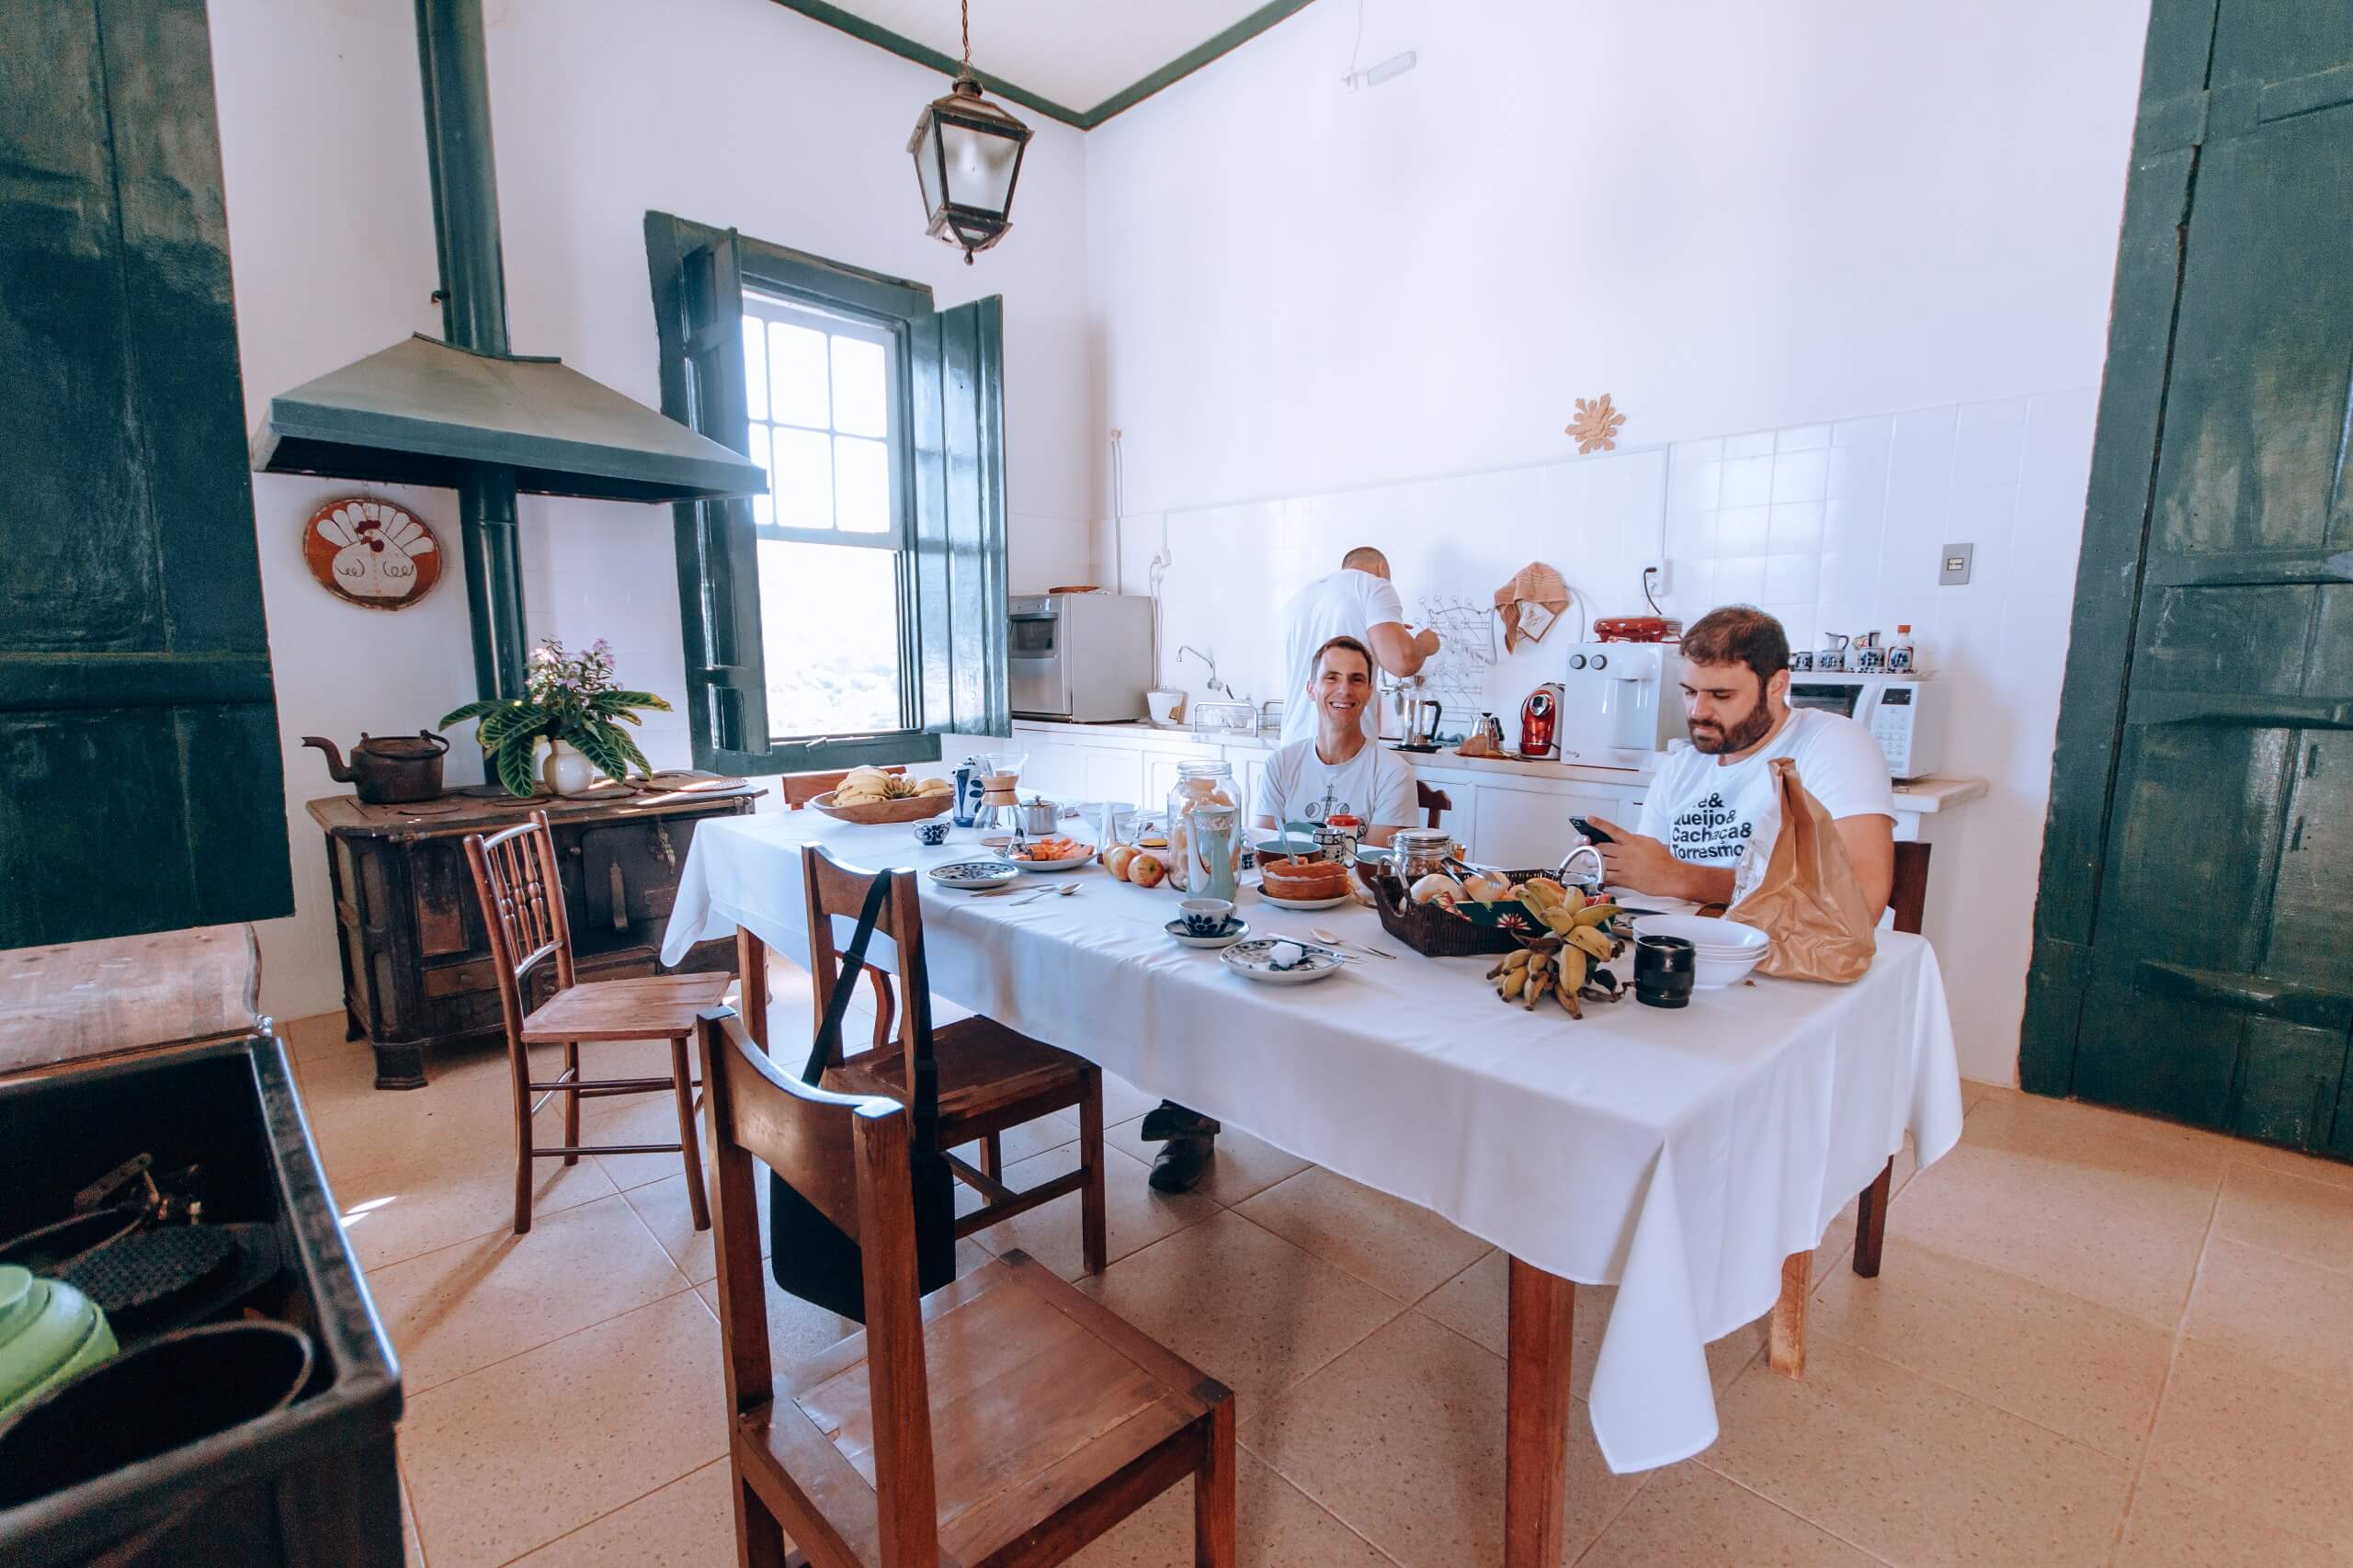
x: 1539, y: 722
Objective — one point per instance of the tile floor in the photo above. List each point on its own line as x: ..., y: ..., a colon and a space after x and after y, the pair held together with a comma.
x: 2096, y: 1340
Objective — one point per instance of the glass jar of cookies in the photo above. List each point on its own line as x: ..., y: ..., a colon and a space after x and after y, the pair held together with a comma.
x: 1199, y: 784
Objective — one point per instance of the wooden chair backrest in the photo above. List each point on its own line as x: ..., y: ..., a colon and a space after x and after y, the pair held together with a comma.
x: 522, y: 906
x: 847, y: 1155
x: 835, y: 889
x: 1908, y: 893
x: 799, y: 789
x: 1432, y: 800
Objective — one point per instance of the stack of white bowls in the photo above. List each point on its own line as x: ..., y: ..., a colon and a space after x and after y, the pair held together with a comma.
x: 1724, y: 951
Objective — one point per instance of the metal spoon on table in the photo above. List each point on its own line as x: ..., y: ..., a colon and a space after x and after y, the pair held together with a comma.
x: 1333, y: 939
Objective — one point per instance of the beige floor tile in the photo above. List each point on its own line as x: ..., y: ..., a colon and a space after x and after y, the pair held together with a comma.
x: 1031, y: 1138
x: 412, y: 1549
x: 1122, y: 1101
x: 512, y: 1456
x: 1915, y: 1473
x: 2293, y: 1214
x: 640, y: 1119
x: 1973, y: 1090
x: 1276, y: 1527
x: 1243, y: 1304
x: 2105, y: 1206
x: 2263, y: 1304
x: 689, y: 1524
x: 665, y: 1208
x: 1134, y: 1215
x: 1475, y: 1302
x: 1689, y: 1516
x: 463, y: 1307
x: 1400, y: 1248
x: 2089, y: 1371
x: 2173, y: 1525
x: 2263, y: 1157
x: 796, y: 1329
x: 2271, y: 1439
x: 1403, y: 1439
x: 1243, y: 1166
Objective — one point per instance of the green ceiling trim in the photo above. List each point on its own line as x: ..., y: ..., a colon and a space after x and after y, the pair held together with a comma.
x: 1127, y: 98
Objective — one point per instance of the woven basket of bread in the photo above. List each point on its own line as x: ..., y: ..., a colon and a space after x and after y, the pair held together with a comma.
x: 1430, y: 928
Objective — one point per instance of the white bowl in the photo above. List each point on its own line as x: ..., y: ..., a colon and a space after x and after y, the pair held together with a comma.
x: 1722, y: 951
x: 1163, y: 705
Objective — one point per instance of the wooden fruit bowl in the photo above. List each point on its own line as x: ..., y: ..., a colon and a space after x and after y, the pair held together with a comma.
x: 914, y: 808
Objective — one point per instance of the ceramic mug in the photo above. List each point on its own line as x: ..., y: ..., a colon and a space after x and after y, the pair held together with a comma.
x: 933, y: 833
x: 1869, y: 660
x: 1664, y: 968
x: 1800, y: 660
x: 1205, y: 917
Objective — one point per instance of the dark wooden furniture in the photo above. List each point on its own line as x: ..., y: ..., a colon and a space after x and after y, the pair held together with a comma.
x: 418, y: 973
x: 1436, y: 803
x: 65, y: 1005
x: 522, y: 904
x: 990, y: 1077
x: 1007, y: 1419
x: 138, y: 731
x: 799, y: 789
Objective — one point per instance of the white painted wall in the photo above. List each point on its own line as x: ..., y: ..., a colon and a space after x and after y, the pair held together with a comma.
x: 1334, y: 317
x: 725, y: 111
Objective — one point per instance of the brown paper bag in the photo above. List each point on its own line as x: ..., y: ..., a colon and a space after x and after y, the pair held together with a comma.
x: 1807, y: 901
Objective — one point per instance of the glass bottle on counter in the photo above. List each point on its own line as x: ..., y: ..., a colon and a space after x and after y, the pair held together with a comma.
x: 1199, y: 784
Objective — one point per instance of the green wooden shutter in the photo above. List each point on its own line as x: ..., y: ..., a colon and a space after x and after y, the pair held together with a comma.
x: 138, y: 734
x: 957, y: 379
x: 699, y: 303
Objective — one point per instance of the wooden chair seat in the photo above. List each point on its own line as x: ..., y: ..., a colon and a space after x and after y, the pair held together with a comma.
x: 990, y: 1078
x: 1039, y: 1394
x: 654, y: 1006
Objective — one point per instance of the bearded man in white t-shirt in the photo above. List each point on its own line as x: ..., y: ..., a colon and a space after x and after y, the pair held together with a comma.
x: 1359, y: 601
x: 1707, y: 803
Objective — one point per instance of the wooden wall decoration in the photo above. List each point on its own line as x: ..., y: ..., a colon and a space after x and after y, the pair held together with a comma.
x: 371, y: 552
x: 1596, y: 425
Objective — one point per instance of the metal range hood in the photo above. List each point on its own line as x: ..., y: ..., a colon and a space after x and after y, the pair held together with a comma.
x: 423, y: 412
x: 469, y: 414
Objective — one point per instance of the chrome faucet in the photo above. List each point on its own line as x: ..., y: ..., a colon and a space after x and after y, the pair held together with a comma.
x: 1599, y: 870
x: 1214, y: 684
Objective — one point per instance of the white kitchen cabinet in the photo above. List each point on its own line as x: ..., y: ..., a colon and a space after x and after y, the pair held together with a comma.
x: 1113, y: 773
x: 1160, y: 771
x: 1056, y: 769
x: 1527, y: 828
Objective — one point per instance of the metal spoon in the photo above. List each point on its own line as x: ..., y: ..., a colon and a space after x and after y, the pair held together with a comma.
x: 1335, y: 939
x: 1063, y: 892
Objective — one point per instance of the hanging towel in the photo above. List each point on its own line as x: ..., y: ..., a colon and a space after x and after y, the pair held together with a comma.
x: 1529, y: 603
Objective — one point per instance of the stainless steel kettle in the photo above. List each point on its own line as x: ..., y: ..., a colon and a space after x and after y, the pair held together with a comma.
x: 1421, y: 718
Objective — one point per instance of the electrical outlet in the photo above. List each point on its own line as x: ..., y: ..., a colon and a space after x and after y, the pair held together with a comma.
x: 1954, y: 563
x: 1657, y: 578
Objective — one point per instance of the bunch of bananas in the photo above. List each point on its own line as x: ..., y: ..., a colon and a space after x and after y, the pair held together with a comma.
x: 871, y: 787
x: 1564, y: 966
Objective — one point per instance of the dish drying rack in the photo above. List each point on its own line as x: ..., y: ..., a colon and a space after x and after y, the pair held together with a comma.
x: 1469, y: 647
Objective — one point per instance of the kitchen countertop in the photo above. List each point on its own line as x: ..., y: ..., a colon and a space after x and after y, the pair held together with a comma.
x: 1918, y: 795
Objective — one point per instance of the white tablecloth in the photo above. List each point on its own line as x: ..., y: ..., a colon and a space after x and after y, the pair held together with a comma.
x: 1679, y: 1154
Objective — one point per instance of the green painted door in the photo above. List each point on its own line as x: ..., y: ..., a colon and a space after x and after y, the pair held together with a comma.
x: 141, y: 787
x: 2194, y: 934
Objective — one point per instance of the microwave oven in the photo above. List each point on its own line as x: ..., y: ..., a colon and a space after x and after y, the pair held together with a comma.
x: 1904, y: 714
x: 1082, y: 658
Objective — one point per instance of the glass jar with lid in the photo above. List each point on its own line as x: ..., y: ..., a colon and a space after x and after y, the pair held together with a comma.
x: 1199, y: 784
x: 1419, y: 851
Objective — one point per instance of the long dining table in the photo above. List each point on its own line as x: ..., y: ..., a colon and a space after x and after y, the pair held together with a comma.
x: 1686, y: 1156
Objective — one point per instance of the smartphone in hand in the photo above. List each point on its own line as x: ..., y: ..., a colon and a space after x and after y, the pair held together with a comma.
x: 1592, y: 833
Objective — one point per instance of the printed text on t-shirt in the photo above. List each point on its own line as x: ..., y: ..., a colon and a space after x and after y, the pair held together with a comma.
x: 1709, y: 831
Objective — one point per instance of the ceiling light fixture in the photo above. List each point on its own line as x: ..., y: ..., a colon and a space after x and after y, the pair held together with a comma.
x: 968, y: 155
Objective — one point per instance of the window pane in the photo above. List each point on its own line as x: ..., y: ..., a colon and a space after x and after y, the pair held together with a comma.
x: 858, y: 398
x: 756, y: 368
x: 797, y: 374
x: 829, y: 627
x: 861, y: 485
x: 763, y: 506
x: 803, y: 475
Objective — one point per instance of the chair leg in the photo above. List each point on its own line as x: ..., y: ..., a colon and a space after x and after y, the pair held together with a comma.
x: 1871, y: 1220
x: 1094, y: 1230
x: 759, y: 1539
x: 520, y: 1058
x: 993, y: 1156
x: 571, y: 1101
x: 682, y: 1080
x: 1213, y: 1543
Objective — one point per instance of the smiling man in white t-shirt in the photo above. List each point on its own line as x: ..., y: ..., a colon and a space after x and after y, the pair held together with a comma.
x: 1706, y: 803
x: 1338, y: 767
x: 1359, y: 601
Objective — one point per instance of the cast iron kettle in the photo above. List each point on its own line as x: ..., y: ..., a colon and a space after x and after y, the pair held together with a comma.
x: 390, y: 771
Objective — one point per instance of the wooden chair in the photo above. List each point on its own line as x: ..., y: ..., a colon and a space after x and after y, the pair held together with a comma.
x: 522, y: 904
x: 799, y: 789
x: 1434, y: 801
x: 1007, y: 1419
x: 1907, y: 895
x: 990, y: 1077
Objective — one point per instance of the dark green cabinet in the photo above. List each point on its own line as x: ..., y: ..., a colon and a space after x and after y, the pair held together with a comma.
x: 2194, y: 936
x: 137, y: 738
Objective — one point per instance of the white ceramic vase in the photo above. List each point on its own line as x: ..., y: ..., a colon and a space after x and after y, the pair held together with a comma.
x: 565, y: 770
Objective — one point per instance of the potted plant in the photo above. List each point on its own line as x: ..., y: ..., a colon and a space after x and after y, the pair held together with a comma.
x: 571, y: 701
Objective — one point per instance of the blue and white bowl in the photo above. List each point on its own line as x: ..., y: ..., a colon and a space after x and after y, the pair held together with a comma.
x: 1273, y: 960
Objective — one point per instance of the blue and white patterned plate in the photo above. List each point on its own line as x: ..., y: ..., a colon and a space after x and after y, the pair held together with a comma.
x: 975, y: 874
x: 1255, y: 960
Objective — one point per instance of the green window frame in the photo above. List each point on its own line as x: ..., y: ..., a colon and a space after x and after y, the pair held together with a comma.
x: 948, y: 489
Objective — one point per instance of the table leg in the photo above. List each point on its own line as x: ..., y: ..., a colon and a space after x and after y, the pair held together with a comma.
x: 1536, y: 1417
x: 752, y: 984
x: 1871, y: 1220
x: 1786, y: 1344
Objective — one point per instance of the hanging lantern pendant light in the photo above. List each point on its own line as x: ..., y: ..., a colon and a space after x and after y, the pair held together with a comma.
x: 968, y: 155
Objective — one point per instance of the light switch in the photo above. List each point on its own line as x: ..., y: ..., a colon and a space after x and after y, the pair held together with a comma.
x: 1955, y: 564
